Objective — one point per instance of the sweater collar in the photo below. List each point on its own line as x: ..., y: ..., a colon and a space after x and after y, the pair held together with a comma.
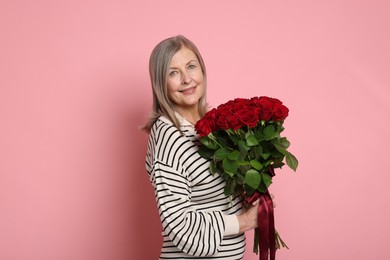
x: 182, y: 120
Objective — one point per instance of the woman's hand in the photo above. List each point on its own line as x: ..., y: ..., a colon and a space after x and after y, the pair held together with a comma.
x: 248, y: 219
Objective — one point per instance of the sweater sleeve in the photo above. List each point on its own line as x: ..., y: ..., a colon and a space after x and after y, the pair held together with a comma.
x: 232, y: 227
x: 197, y: 233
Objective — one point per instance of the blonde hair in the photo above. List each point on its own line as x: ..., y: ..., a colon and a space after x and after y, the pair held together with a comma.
x: 159, y: 62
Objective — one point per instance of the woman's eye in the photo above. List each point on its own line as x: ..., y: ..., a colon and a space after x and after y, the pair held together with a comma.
x: 172, y: 73
x: 191, y: 66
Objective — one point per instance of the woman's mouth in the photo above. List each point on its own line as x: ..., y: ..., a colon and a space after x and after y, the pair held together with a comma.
x: 188, y: 91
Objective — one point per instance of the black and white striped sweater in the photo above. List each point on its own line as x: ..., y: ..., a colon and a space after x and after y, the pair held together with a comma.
x: 198, y: 220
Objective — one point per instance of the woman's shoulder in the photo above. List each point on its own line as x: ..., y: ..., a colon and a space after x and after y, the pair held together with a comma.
x: 167, y: 143
x: 163, y: 124
x: 163, y: 131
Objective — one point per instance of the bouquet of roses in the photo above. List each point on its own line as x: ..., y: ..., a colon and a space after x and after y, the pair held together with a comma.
x: 242, y: 138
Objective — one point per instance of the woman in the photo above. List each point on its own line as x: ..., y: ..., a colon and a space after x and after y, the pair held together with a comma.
x: 198, y: 220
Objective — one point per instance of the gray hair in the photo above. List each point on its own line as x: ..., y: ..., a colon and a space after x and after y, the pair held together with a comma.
x: 159, y: 62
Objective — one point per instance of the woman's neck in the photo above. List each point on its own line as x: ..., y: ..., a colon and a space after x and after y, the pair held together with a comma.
x: 191, y: 116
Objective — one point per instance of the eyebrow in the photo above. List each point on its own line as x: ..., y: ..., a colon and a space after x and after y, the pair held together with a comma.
x: 186, y: 64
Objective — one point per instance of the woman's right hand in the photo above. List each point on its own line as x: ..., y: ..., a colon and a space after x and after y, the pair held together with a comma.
x: 248, y: 219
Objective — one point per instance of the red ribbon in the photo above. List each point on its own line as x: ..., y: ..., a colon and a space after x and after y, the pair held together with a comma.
x: 266, y: 224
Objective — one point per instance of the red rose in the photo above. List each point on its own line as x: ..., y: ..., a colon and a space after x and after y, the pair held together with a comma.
x: 202, y: 128
x: 266, y: 108
x: 249, y: 117
x: 207, y: 124
x: 259, y: 101
x: 239, y: 104
x: 212, y: 118
x: 280, y: 112
x: 227, y: 117
x: 225, y: 109
x: 234, y: 122
x: 275, y: 101
x: 222, y: 120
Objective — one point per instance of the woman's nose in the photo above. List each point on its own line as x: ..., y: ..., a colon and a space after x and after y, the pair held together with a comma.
x: 186, y: 79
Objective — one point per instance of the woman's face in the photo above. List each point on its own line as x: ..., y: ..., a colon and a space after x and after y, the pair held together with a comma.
x: 185, y: 80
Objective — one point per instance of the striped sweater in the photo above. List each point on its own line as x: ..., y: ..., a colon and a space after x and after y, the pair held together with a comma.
x: 198, y: 220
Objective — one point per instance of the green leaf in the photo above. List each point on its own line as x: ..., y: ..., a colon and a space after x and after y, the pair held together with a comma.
x: 258, y: 150
x: 218, y: 165
x: 249, y: 190
x: 292, y: 161
x: 269, y: 132
x: 242, y: 156
x: 213, y: 168
x: 242, y: 162
x: 268, y: 162
x: 239, y: 178
x: 209, y: 143
x: 206, y: 152
x: 234, y: 155
x: 265, y: 155
x: 256, y: 164
x: 259, y: 136
x: 266, y: 179
x: 222, y: 140
x: 225, y: 176
x: 230, y: 167
x: 284, y: 142
x: 221, y: 153
x: 242, y: 146
x: 275, y: 154
x: 280, y: 148
x: 251, y: 140
x: 234, y: 138
x: 277, y: 164
x: 281, y: 128
x: 230, y: 187
x: 252, y: 178
x: 262, y: 188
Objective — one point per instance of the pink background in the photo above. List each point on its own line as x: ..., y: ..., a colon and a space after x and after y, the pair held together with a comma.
x: 74, y: 89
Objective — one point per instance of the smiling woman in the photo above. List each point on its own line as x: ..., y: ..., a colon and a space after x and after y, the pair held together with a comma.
x: 197, y: 218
